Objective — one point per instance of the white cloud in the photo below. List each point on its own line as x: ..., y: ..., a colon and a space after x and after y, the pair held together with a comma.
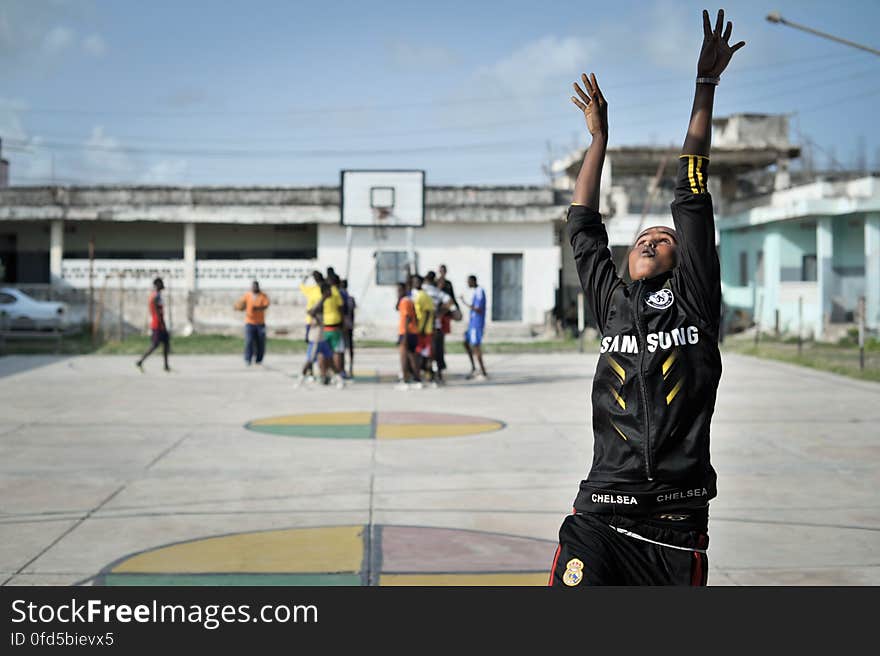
x: 527, y: 82
x: 57, y: 40
x: 171, y: 172
x: 104, y: 158
x: 35, y: 33
x: 94, y: 45
x: 528, y: 69
x: 11, y: 125
x: 29, y: 163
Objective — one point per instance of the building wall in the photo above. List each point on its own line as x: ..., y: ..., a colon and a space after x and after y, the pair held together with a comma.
x: 210, y: 241
x: 740, y: 299
x: 778, y: 285
x: 848, y: 266
x: 798, y: 240
x: 243, y: 241
x: 24, y: 251
x: 123, y: 240
x: 465, y: 249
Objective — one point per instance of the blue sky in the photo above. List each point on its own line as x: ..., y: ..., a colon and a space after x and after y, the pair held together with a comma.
x: 289, y: 93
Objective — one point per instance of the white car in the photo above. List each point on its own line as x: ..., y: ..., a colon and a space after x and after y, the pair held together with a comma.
x: 18, y: 311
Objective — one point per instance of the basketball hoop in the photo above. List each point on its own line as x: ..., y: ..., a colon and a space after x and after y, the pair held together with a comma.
x: 382, y: 199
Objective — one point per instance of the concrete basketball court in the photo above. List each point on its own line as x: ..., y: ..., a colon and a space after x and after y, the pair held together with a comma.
x: 114, y: 477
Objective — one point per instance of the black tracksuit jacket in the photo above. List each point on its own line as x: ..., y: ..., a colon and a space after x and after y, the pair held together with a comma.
x: 655, y: 384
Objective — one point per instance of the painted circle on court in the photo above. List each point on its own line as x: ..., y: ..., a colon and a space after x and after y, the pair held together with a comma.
x: 375, y: 425
x: 340, y: 555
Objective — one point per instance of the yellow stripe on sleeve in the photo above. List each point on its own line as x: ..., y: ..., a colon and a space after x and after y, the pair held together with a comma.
x: 691, y: 174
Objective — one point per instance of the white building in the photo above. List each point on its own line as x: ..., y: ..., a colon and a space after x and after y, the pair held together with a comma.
x: 210, y: 243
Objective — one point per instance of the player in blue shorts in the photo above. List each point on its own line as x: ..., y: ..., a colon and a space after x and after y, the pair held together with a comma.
x: 473, y: 338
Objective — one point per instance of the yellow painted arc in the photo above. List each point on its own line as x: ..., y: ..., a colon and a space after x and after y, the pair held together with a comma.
x: 476, y: 579
x: 318, y: 419
x: 617, y: 397
x: 674, y: 391
x: 617, y: 368
x: 299, y: 550
x: 404, y: 431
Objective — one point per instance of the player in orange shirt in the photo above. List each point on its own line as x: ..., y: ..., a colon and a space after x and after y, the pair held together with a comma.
x: 407, y: 338
x: 254, y: 305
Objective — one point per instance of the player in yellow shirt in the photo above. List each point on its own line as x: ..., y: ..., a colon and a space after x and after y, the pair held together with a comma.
x: 425, y: 322
x: 312, y: 292
x: 333, y: 307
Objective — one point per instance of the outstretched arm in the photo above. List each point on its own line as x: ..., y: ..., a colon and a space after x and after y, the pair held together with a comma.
x: 595, y: 109
x: 586, y: 233
x: 698, y: 271
x: 714, y: 57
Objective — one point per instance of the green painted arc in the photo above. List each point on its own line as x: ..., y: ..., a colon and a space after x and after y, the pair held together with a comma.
x: 337, y: 431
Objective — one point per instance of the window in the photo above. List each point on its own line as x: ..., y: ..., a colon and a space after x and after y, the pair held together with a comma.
x: 759, y: 269
x: 391, y: 267
x: 743, y: 269
x: 6, y: 299
x: 809, y: 271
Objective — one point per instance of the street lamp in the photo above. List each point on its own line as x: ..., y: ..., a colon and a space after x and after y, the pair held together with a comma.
x: 776, y: 17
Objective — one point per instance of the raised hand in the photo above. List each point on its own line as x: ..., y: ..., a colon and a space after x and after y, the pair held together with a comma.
x: 716, y: 51
x: 593, y: 105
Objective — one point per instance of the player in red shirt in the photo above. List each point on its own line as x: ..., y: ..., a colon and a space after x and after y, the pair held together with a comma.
x: 159, y: 333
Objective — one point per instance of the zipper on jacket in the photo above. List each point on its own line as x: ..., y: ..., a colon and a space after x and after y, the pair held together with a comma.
x: 642, y: 387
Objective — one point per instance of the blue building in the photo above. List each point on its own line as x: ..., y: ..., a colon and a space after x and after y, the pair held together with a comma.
x: 800, y: 258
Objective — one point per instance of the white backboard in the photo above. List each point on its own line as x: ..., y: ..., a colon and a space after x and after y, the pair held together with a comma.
x: 382, y: 198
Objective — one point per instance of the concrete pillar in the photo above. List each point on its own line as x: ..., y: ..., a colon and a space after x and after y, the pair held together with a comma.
x: 825, y: 275
x: 189, y: 264
x: 872, y: 271
x: 767, y: 296
x: 56, y: 251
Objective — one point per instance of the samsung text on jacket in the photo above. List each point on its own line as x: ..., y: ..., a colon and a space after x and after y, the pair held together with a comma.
x: 662, y: 340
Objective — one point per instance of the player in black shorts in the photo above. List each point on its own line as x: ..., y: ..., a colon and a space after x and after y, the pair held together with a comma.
x: 641, y: 516
x: 158, y: 330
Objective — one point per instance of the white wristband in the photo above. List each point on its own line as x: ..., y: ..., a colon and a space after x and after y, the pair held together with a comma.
x: 708, y: 80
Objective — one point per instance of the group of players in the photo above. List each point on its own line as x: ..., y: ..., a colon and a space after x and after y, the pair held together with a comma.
x: 426, y: 307
x: 329, y: 328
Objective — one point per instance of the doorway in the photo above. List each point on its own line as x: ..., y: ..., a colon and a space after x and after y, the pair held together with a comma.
x: 507, y: 287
